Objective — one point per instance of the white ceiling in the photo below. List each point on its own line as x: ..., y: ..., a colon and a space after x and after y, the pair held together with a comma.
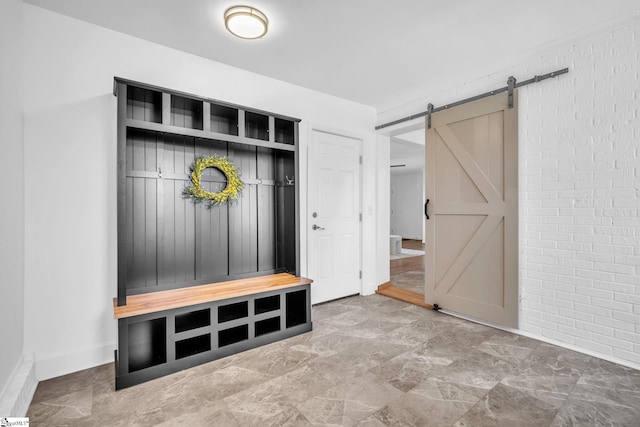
x: 375, y: 52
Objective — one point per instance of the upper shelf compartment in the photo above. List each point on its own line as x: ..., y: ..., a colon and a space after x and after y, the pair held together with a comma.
x: 285, y: 133
x: 186, y: 112
x: 256, y: 126
x: 224, y: 119
x: 144, y: 104
x: 157, y: 109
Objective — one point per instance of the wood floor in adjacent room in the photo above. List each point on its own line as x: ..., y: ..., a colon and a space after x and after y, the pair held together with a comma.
x: 414, y: 263
x: 370, y: 361
x: 408, y: 273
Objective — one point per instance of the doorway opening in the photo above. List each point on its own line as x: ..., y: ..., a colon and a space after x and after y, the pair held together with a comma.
x: 407, y: 244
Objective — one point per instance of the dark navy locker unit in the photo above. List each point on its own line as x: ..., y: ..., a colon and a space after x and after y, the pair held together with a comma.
x: 167, y: 242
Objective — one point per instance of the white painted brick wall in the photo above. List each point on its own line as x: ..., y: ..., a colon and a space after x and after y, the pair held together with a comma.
x: 580, y: 173
x: 579, y: 138
x: 587, y: 152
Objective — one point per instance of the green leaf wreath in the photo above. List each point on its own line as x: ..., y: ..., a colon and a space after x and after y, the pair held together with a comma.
x: 228, y: 169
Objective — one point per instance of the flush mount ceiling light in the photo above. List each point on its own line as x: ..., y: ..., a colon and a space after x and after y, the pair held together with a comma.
x: 246, y: 22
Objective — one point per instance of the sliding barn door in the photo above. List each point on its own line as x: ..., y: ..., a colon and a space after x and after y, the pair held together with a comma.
x: 472, y: 230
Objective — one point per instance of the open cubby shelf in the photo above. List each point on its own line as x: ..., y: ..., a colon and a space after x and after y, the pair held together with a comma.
x: 147, y: 343
x: 193, y: 320
x: 144, y: 104
x: 197, y: 283
x: 191, y: 346
x: 229, y: 312
x: 256, y: 126
x: 284, y: 131
x: 267, y: 326
x: 267, y: 304
x: 224, y: 119
x: 158, y: 343
x: 186, y: 112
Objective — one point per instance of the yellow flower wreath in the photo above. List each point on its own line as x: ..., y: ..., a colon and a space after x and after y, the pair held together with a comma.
x: 230, y: 192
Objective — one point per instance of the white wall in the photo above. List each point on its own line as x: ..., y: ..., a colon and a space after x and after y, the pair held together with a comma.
x: 407, y: 205
x: 382, y: 201
x: 70, y: 141
x: 579, y: 190
x: 373, y: 149
x: 12, y: 205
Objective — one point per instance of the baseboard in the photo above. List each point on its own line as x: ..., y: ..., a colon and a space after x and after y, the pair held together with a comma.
x: 17, y: 396
x: 547, y: 340
x: 577, y: 349
x: 55, y: 365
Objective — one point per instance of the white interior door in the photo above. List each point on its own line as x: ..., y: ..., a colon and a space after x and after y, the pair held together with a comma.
x: 334, y: 216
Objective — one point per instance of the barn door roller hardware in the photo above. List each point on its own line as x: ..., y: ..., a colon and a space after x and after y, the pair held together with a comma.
x: 511, y: 85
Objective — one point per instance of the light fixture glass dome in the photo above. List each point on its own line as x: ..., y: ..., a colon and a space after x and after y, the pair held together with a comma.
x: 246, y: 22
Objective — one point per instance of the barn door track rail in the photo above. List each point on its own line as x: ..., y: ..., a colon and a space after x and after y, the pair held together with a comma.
x: 511, y: 85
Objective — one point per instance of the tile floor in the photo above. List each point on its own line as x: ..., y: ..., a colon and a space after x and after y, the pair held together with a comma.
x: 370, y: 361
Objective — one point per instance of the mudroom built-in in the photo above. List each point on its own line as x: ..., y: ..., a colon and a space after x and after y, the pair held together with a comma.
x: 208, y: 240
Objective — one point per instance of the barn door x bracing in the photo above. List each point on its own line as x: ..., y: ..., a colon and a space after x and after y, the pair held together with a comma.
x: 472, y: 230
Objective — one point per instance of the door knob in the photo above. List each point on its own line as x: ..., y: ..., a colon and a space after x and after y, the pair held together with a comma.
x: 316, y: 227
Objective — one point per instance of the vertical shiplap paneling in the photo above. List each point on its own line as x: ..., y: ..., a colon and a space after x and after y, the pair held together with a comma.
x: 266, y: 209
x: 168, y: 230
x: 167, y: 255
x: 243, y: 215
x: 171, y: 240
x: 133, y: 279
x: 212, y: 253
x: 141, y: 209
x: 149, y: 221
x: 138, y: 258
x: 285, y: 212
x: 136, y: 145
x: 176, y: 248
x: 186, y: 215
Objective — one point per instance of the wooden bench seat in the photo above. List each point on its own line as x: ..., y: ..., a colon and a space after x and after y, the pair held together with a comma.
x: 183, y: 297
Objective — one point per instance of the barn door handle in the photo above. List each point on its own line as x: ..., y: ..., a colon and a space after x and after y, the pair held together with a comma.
x: 426, y: 209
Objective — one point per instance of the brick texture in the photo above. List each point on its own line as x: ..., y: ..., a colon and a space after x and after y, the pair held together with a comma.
x: 580, y: 174
x: 579, y: 142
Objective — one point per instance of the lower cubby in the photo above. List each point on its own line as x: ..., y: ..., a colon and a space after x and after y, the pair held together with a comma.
x: 147, y: 344
x: 267, y: 326
x: 191, y: 346
x: 233, y: 335
x: 155, y: 344
x: 296, y: 314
